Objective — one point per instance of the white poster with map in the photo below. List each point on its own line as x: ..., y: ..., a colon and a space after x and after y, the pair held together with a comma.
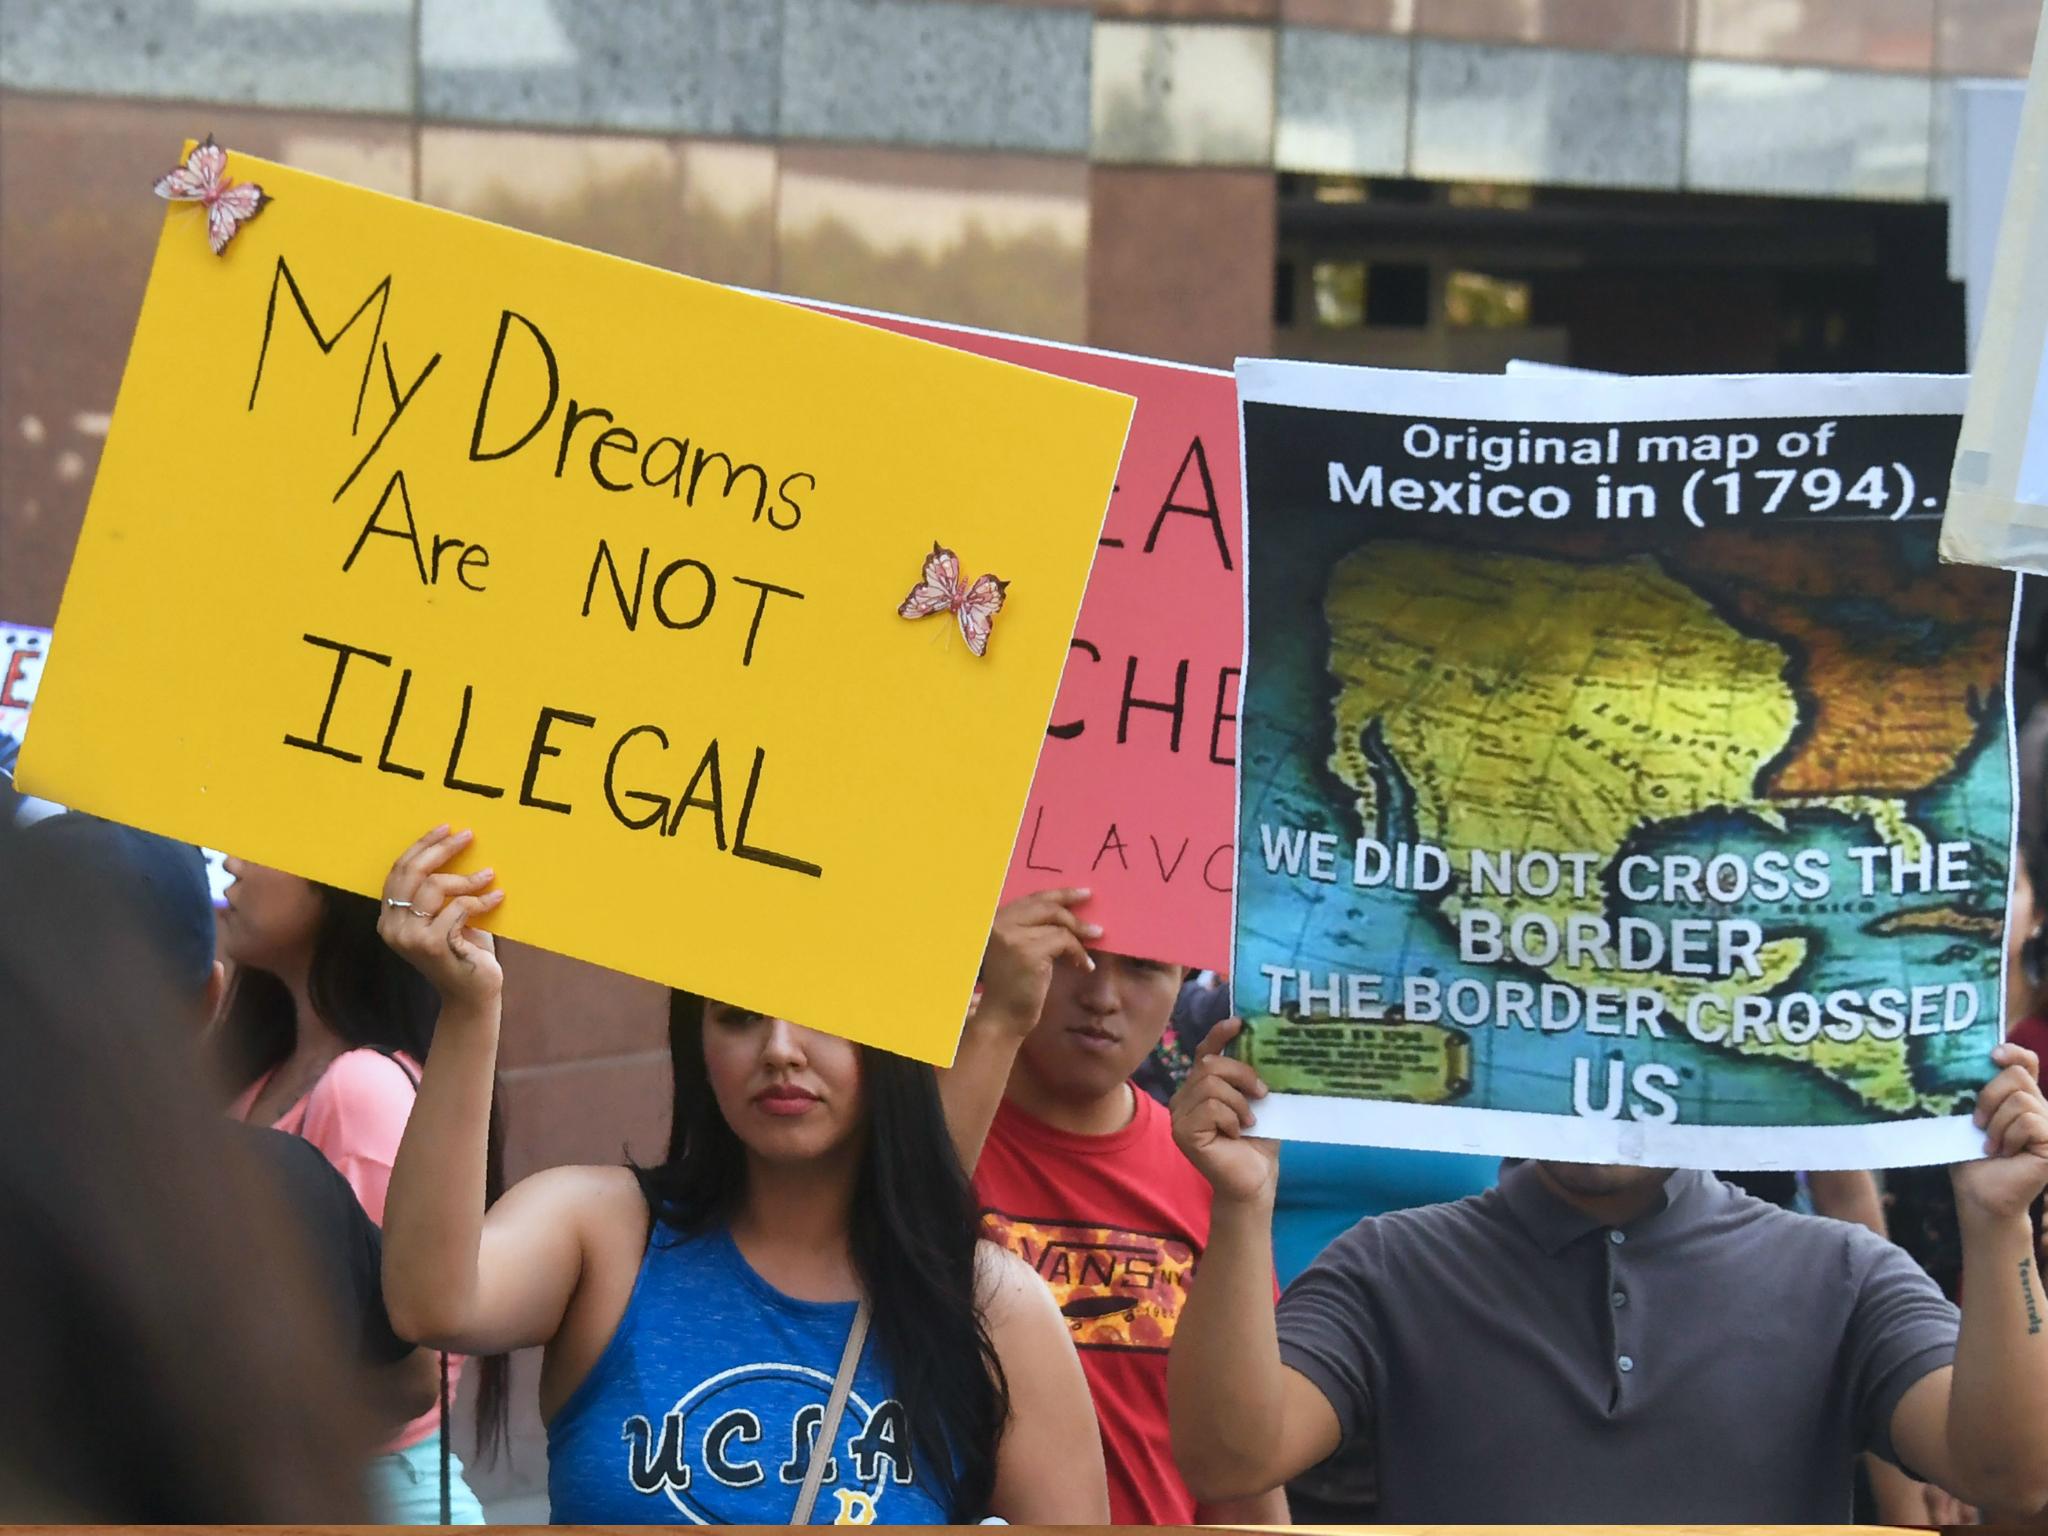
x: 1624, y: 777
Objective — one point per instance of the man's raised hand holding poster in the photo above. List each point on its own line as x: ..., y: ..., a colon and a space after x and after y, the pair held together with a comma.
x: 1624, y: 777
x: 600, y: 560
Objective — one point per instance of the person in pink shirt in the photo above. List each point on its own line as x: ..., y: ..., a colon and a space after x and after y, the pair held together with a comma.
x: 322, y: 1036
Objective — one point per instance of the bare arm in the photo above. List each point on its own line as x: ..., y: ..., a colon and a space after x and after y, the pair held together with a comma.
x: 434, y: 1211
x: 1848, y: 1194
x: 1243, y: 1423
x: 1902, y: 1501
x: 972, y: 1088
x: 1030, y: 935
x: 451, y: 1279
x: 1049, y: 1466
x: 1976, y: 1430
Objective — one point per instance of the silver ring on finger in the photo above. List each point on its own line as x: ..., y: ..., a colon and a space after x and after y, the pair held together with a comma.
x: 394, y: 903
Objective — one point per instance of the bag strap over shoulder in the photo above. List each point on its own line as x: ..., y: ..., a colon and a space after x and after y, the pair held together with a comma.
x: 398, y: 1061
x: 835, y: 1410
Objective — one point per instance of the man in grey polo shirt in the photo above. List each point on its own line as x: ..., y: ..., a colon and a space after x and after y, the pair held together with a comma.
x: 1599, y: 1345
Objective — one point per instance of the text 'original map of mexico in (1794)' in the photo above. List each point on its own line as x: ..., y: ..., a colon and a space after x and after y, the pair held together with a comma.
x: 1624, y: 777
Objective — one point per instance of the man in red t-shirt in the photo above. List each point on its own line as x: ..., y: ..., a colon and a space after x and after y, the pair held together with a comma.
x: 1079, y: 1176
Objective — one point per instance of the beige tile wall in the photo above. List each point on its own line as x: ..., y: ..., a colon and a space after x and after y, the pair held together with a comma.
x: 78, y: 229
x: 1180, y: 263
x: 1850, y: 34
x: 998, y: 241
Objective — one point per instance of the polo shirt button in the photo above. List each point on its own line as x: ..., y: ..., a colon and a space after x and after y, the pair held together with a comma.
x: 1620, y: 1298
x: 1617, y: 1238
x: 1626, y: 1363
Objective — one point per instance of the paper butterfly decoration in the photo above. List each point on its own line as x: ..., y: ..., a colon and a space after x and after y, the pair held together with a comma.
x: 940, y: 591
x: 202, y: 179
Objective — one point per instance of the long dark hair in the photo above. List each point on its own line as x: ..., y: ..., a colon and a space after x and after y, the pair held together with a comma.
x: 368, y: 995
x: 914, y: 1228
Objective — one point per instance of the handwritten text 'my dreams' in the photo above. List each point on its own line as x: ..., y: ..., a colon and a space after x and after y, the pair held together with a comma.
x: 521, y: 409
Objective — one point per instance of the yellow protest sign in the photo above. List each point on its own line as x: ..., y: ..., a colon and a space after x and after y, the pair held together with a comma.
x: 406, y: 518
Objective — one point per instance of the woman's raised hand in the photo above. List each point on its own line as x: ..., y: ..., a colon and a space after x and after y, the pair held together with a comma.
x: 426, y: 919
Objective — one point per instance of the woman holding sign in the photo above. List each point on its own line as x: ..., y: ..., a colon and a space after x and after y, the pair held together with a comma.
x: 790, y: 1315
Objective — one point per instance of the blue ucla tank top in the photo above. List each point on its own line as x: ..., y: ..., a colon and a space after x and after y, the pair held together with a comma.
x: 703, y: 1407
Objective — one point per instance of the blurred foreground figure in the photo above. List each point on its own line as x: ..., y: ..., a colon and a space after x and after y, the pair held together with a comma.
x: 166, y: 1353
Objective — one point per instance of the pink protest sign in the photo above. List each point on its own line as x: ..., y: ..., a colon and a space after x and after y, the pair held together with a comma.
x: 1135, y: 793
